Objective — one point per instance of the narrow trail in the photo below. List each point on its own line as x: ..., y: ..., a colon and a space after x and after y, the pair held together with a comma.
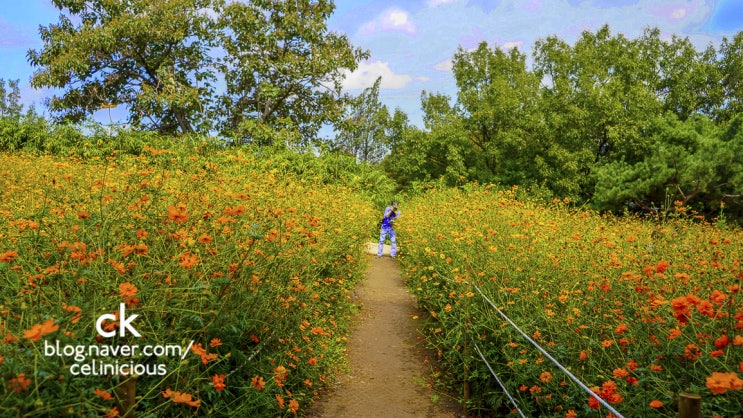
x: 388, y: 377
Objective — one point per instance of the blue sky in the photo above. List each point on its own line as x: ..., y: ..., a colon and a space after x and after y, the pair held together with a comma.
x: 412, y: 41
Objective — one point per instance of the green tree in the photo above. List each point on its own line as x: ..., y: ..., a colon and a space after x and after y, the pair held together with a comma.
x: 151, y: 56
x: 283, y: 69
x: 10, y: 99
x: 600, y: 100
x: 687, y: 162
x: 363, y: 130
x: 688, y: 81
x: 442, y: 151
x: 730, y: 157
x: 731, y: 68
x: 396, y: 127
x: 499, y: 98
x: 278, y: 65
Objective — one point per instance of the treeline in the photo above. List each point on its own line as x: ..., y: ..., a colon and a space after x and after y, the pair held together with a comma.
x: 647, y: 124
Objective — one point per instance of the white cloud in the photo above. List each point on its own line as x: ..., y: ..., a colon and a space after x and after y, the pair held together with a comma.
x: 434, y: 3
x: 678, y: 14
x: 507, y: 46
x: 367, y: 72
x: 446, y: 65
x: 392, y: 20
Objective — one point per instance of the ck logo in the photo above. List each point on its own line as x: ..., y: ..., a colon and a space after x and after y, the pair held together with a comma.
x: 124, y: 323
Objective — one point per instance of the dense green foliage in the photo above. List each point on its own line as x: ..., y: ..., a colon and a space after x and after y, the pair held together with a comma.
x: 623, y: 124
x: 279, y: 66
x: 10, y: 97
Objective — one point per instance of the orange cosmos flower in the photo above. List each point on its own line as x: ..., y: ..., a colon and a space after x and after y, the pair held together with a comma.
x: 718, y: 297
x: 218, y: 382
x: 608, y: 388
x: 718, y: 383
x: 674, y: 333
x: 118, y: 266
x: 215, y: 342
x: 180, y: 397
x: 127, y: 290
x: 199, y: 350
x: 593, y: 402
x: 545, y: 377
x: 19, y: 384
x: 105, y: 395
x: 280, y: 400
x: 74, y: 309
x: 736, y: 383
x: 8, y: 256
x: 621, y: 328
x: 680, y: 307
x: 178, y: 213
x: 39, y: 330
x: 662, y: 266
x: 620, y: 373
x: 692, y: 352
x: 680, y: 303
x: 235, y: 211
x: 706, y: 308
x: 656, y: 404
x: 716, y: 353
x: 258, y: 382
x: 614, y: 398
x: 571, y: 414
x: 141, y: 248
x: 188, y: 260
x: 281, y: 373
x: 312, y: 361
x: 722, y: 342
x: 293, y: 406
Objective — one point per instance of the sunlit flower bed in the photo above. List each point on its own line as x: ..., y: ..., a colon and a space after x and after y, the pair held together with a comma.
x: 176, y: 284
x: 639, y: 311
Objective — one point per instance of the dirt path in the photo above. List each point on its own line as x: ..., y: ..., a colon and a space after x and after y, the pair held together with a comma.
x: 388, y: 377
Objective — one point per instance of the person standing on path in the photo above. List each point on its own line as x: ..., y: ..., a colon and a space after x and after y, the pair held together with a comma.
x: 387, y: 228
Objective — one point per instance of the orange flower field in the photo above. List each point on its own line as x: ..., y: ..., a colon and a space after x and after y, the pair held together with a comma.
x: 639, y: 311
x: 219, y: 282
x: 173, y: 284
